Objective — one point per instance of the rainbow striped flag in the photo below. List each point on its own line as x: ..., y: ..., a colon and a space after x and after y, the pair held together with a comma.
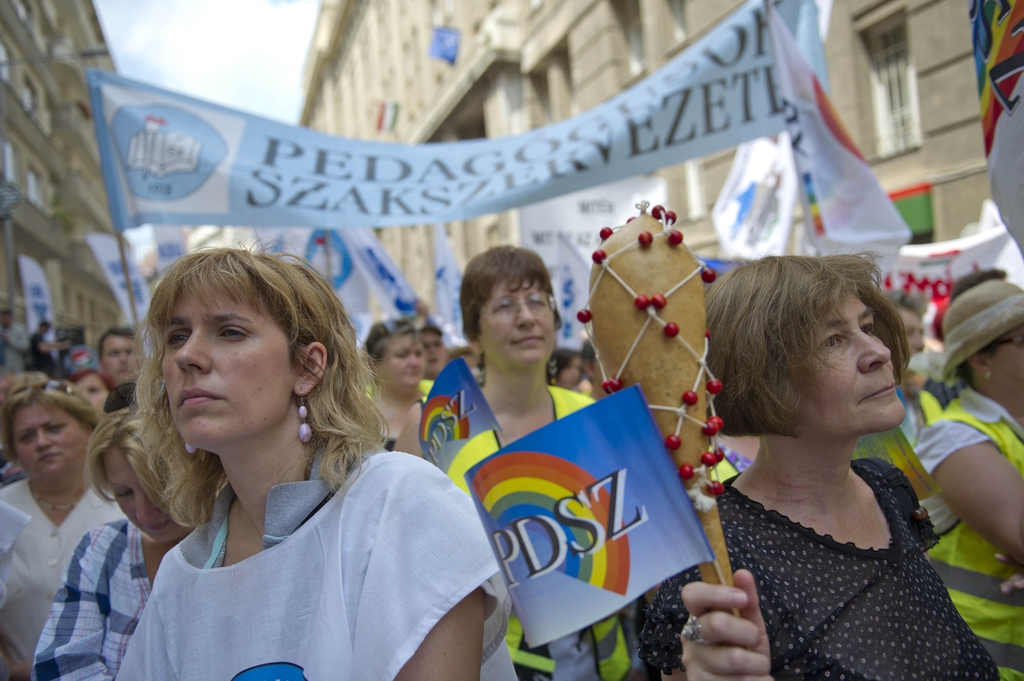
x: 845, y: 207
x: 998, y: 32
x: 455, y: 411
x: 585, y: 515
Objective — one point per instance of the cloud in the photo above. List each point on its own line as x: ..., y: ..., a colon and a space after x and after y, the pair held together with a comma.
x: 243, y: 54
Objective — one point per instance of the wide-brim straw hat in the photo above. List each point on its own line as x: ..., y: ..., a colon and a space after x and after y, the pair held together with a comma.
x: 978, y: 317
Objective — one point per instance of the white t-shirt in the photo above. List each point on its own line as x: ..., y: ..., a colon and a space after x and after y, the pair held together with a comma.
x: 350, y: 594
x: 42, y: 553
x: 939, y: 440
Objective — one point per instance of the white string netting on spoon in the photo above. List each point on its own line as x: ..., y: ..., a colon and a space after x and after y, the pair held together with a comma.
x: 700, y: 477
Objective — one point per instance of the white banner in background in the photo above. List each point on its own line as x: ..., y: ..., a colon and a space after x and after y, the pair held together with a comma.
x: 447, y: 285
x: 172, y: 159
x: 344, y: 278
x: 929, y: 270
x: 292, y: 240
x: 170, y: 245
x: 36, y: 288
x: 572, y: 288
x: 753, y: 215
x: 104, y: 248
x: 393, y: 292
x: 582, y: 214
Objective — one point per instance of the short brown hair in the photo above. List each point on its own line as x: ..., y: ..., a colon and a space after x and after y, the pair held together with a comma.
x: 346, y: 424
x: 519, y: 268
x: 67, y: 399
x: 766, y: 321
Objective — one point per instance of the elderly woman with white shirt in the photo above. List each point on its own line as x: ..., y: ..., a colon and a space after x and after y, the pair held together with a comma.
x: 976, y: 453
x: 46, y: 426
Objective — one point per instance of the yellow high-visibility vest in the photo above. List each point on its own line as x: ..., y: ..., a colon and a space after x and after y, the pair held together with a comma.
x: 930, y: 407
x: 966, y: 562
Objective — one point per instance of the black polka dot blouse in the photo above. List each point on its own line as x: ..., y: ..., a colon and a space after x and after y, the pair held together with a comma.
x: 832, y: 610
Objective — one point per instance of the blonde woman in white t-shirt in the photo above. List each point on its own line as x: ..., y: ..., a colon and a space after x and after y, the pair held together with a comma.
x: 316, y: 554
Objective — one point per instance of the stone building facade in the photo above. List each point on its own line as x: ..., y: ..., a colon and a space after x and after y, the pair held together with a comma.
x: 901, y: 74
x: 50, y: 153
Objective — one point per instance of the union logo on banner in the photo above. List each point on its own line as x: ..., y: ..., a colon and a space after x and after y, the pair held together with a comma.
x: 455, y: 411
x: 585, y: 515
x: 998, y: 29
x: 166, y: 153
x: 578, y: 514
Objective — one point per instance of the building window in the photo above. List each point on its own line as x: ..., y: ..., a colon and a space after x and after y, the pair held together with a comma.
x: 29, y: 97
x: 442, y: 11
x: 632, y: 29
x: 33, y: 187
x: 9, y: 164
x: 678, y: 9
x: 894, y: 88
x: 695, y: 198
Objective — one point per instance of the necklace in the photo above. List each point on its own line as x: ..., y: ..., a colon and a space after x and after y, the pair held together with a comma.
x: 58, y: 508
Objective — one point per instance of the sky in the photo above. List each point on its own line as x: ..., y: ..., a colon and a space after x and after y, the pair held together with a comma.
x: 244, y: 54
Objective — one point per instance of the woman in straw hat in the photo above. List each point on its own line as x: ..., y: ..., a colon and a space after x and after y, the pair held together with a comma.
x: 976, y: 453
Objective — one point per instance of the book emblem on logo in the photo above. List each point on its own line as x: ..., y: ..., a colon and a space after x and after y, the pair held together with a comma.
x: 157, y: 152
x: 166, y: 153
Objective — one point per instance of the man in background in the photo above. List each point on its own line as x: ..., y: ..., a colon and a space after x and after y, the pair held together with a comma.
x: 13, y: 343
x: 41, y: 350
x: 435, y: 354
x: 115, y: 350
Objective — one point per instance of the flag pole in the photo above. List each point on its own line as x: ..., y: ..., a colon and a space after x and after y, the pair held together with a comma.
x: 127, y: 280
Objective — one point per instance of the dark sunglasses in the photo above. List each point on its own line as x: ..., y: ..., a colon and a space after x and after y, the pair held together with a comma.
x: 121, y: 397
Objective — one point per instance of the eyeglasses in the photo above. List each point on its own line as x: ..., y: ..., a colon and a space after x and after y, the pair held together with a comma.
x: 119, y: 398
x: 1016, y: 340
x: 506, y: 308
x: 57, y: 385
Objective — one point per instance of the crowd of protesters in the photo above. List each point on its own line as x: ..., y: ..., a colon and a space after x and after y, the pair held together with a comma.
x: 245, y: 444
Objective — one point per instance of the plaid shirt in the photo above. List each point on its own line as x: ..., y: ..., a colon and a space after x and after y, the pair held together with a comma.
x: 96, y: 611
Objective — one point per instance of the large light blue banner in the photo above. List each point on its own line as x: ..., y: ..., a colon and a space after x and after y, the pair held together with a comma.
x: 171, y: 159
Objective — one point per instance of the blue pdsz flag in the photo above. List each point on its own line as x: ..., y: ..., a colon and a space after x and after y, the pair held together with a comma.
x: 445, y: 44
x: 585, y: 515
x: 456, y: 411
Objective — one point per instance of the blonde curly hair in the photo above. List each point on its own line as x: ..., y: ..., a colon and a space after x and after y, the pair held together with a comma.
x: 345, y: 422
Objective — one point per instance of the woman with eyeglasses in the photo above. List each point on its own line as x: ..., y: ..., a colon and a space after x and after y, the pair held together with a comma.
x: 509, y: 317
x: 396, y: 355
x: 975, y: 451
x: 316, y: 554
x: 109, y: 579
x: 46, y: 428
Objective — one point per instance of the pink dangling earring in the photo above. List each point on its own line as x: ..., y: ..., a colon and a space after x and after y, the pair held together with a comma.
x: 190, y: 449
x: 305, y: 432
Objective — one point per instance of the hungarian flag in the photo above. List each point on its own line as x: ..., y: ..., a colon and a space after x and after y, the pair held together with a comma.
x: 845, y: 208
x: 998, y: 31
x: 387, y: 115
